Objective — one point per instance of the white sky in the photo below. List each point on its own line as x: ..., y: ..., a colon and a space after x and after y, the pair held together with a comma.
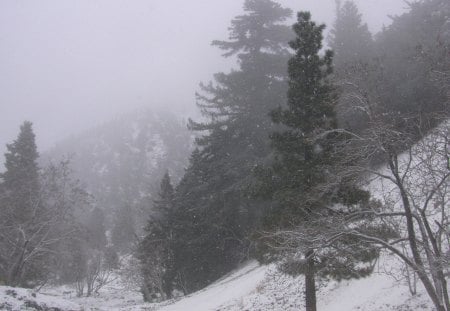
x: 67, y: 65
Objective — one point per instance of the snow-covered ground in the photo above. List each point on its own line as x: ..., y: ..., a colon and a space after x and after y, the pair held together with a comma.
x: 252, y: 288
x: 20, y: 299
x: 229, y: 289
x: 383, y: 290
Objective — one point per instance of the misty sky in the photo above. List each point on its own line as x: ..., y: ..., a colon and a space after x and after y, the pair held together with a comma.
x: 67, y: 65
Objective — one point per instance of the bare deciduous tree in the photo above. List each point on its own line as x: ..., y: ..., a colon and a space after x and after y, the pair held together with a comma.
x: 414, y: 184
x: 25, y: 246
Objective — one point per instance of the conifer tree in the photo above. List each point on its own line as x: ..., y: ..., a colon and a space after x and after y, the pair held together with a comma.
x: 305, y: 155
x: 235, y: 138
x: 350, y: 38
x: 410, y: 51
x: 193, y: 255
x: 155, y: 250
x: 310, y: 111
x: 353, y: 47
x: 21, y: 178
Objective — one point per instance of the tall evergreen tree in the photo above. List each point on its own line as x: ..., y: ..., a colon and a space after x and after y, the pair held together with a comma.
x: 310, y: 112
x: 21, y: 178
x: 353, y: 47
x: 305, y: 154
x: 156, y: 250
x: 235, y: 139
x: 349, y: 38
x: 195, y: 242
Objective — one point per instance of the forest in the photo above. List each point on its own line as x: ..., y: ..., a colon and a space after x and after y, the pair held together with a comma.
x: 278, y: 169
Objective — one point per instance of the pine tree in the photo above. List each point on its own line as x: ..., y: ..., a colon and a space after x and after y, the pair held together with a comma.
x: 21, y: 178
x: 353, y: 49
x: 310, y: 111
x: 411, y: 51
x: 305, y: 156
x: 192, y: 259
x: 235, y: 138
x: 156, y: 250
x: 350, y: 38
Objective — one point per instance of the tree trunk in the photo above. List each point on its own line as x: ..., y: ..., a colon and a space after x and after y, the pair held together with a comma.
x: 15, y: 271
x: 146, y: 293
x: 431, y: 290
x: 310, y: 282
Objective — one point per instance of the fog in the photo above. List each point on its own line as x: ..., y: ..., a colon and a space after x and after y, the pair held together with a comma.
x: 69, y: 65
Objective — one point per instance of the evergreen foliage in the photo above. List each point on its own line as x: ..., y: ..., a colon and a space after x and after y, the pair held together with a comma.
x: 156, y: 249
x: 19, y: 203
x: 218, y: 213
x: 410, y: 51
x: 299, y: 155
x: 21, y: 178
x: 354, y: 54
x: 306, y: 152
x: 399, y: 71
x: 350, y: 38
x: 123, y: 228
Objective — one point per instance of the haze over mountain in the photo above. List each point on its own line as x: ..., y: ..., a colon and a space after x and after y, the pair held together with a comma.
x: 70, y: 65
x: 121, y: 162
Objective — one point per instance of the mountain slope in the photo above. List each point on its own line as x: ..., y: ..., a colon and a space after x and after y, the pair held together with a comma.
x: 121, y: 162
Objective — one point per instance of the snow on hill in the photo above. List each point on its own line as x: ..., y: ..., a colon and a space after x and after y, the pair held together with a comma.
x: 233, y: 287
x: 381, y: 291
x: 20, y: 299
x: 251, y: 288
x: 122, y: 161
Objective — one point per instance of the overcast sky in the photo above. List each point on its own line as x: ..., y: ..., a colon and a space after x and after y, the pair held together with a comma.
x: 67, y: 65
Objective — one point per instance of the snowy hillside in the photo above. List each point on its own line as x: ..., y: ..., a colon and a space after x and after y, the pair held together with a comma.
x: 252, y: 288
x: 381, y: 291
x: 121, y: 162
x: 16, y: 299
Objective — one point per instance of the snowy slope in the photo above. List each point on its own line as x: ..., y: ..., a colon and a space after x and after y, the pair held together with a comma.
x: 256, y: 288
x: 252, y: 288
x: 263, y: 288
x: 381, y: 291
x: 20, y: 299
x: 231, y: 288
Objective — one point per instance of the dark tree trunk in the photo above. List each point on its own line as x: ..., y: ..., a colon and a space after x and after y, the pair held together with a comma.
x: 310, y: 282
